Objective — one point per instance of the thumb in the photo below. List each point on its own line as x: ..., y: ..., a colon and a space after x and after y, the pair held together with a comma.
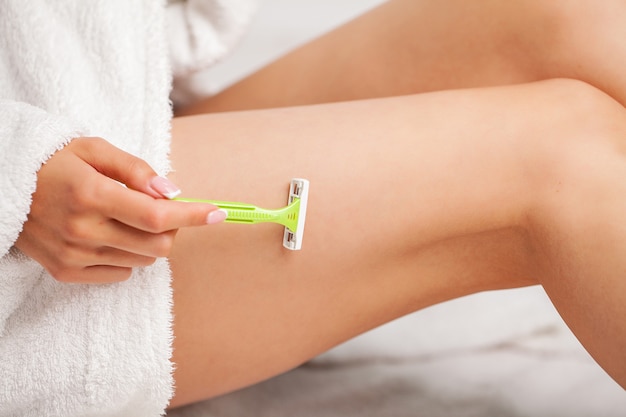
x: 121, y: 166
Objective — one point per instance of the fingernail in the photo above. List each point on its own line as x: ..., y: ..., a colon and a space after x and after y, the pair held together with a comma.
x: 164, y: 187
x: 217, y: 216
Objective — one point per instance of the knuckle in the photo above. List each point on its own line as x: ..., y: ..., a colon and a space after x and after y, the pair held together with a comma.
x: 100, y: 253
x: 82, y: 194
x: 76, y: 231
x: 84, y: 142
x: 94, y: 141
x: 98, y: 190
x: 155, y: 220
x: 163, y: 244
x: 137, y: 168
x: 95, y: 145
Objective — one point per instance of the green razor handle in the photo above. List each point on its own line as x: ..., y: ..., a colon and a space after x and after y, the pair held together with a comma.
x: 292, y: 217
x: 250, y: 214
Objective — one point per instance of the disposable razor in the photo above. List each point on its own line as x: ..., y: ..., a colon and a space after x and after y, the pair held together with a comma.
x: 292, y: 216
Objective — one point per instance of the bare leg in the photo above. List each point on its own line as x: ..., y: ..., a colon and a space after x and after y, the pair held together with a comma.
x: 412, y: 46
x: 414, y: 200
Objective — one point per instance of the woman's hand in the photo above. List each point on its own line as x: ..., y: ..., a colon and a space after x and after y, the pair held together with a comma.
x: 85, y: 227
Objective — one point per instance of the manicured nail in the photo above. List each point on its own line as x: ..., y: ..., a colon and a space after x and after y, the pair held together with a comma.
x: 217, y: 216
x: 164, y: 187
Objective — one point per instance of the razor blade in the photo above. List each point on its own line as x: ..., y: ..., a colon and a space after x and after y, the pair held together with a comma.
x: 292, y: 216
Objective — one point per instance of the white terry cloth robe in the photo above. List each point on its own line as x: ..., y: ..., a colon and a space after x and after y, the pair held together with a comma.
x: 71, y: 68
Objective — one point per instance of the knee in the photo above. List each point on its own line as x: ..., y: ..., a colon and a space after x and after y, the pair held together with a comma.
x: 582, y: 155
x: 585, y: 116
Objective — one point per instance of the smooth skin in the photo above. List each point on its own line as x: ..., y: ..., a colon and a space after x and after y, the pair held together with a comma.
x: 431, y: 45
x: 414, y: 200
x: 408, y: 46
x: 406, y: 210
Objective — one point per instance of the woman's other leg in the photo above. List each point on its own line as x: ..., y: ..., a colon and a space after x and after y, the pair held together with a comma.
x: 413, y: 46
x: 414, y: 200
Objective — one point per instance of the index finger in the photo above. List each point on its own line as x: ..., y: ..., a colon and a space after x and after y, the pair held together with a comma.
x: 143, y: 212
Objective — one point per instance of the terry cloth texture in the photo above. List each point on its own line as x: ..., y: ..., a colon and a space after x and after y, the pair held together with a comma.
x: 70, y: 68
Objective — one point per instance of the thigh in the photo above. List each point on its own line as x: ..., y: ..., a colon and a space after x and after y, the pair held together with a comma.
x: 412, y: 46
x: 406, y: 209
x: 400, y: 47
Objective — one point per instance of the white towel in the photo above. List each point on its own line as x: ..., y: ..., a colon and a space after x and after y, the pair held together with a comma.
x: 71, y: 68
x: 201, y: 32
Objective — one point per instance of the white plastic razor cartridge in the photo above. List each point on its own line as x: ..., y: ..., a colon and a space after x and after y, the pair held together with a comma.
x: 298, y: 192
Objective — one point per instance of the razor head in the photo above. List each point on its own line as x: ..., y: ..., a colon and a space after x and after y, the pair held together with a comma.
x: 299, y: 189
